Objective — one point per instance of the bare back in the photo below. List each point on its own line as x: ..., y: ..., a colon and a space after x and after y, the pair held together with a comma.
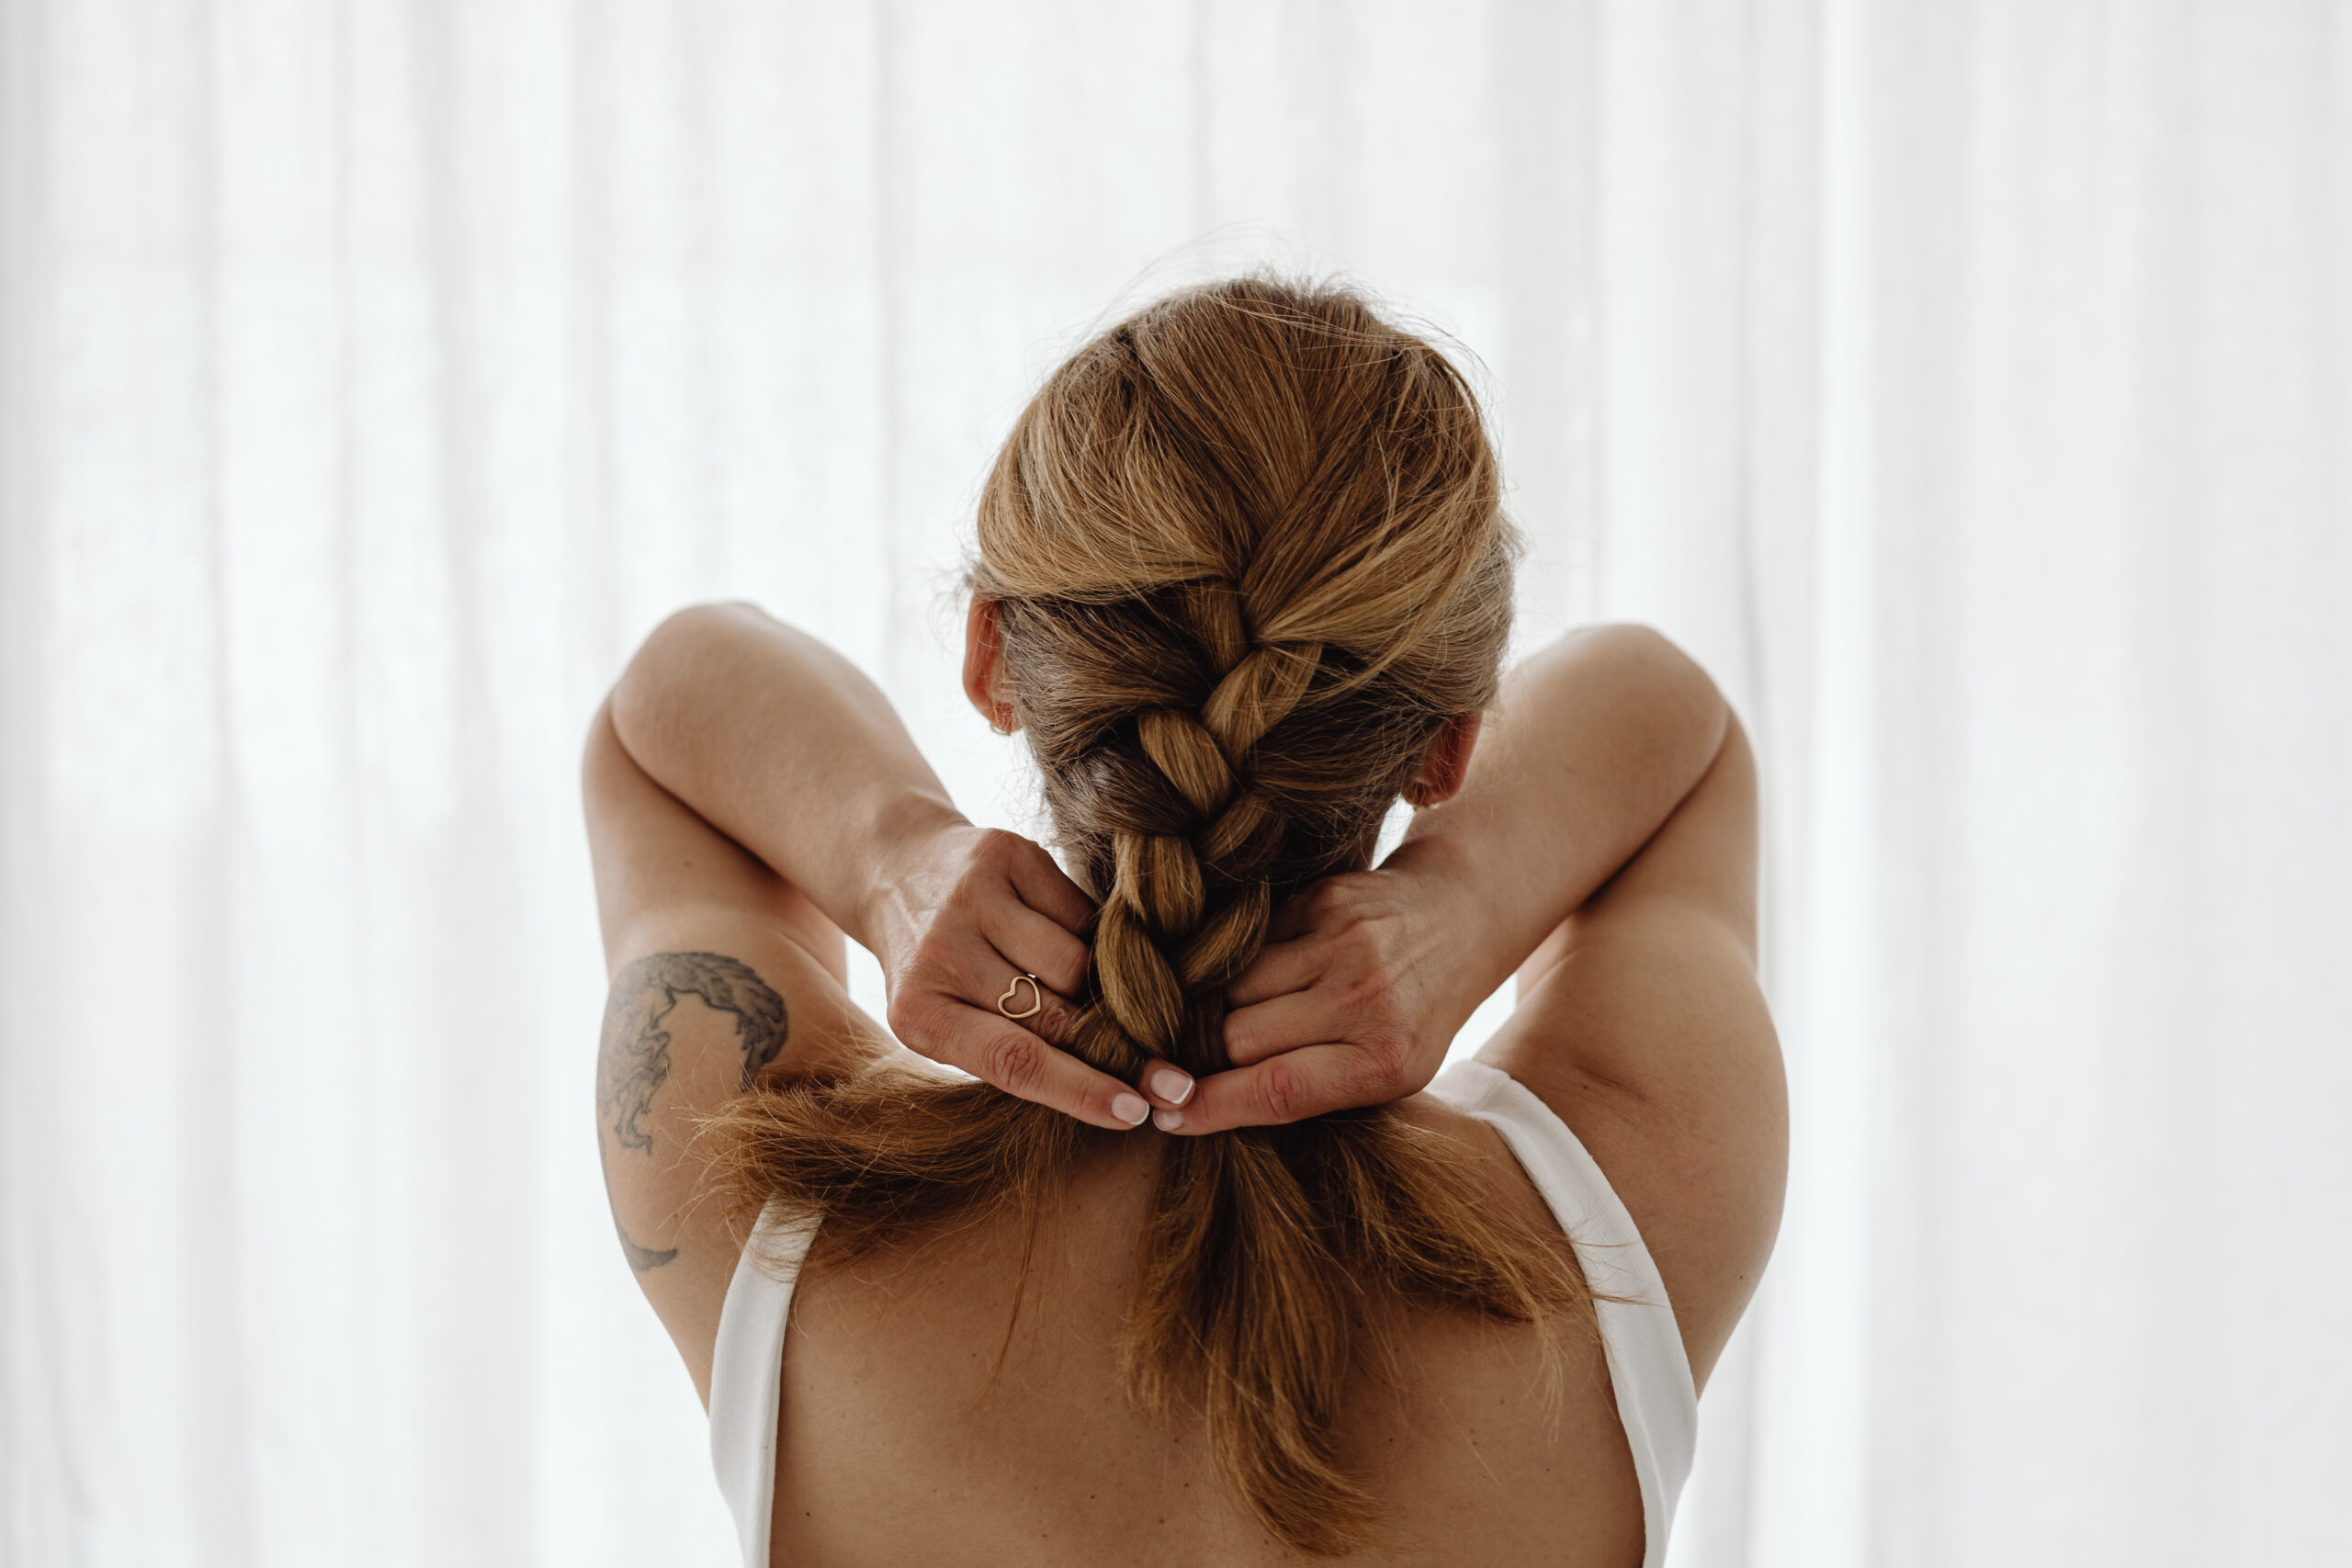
x: 901, y: 1439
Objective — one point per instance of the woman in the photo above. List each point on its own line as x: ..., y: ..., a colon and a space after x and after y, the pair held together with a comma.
x: 1204, y: 1268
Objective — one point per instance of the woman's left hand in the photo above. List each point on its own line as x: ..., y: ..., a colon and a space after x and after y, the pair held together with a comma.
x: 1355, y: 1004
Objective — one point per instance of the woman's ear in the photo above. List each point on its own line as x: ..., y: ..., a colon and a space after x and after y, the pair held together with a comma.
x: 984, y: 667
x: 1447, y: 764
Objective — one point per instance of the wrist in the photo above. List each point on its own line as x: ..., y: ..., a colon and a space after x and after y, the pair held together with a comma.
x: 1462, y: 947
x: 909, y: 831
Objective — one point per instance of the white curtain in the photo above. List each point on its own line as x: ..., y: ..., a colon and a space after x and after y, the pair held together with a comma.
x: 1965, y: 383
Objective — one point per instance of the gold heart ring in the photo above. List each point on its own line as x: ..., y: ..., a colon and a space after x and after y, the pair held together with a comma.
x: 1036, y: 992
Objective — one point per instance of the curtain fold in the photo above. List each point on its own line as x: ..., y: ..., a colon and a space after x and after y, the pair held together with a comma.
x: 1965, y: 386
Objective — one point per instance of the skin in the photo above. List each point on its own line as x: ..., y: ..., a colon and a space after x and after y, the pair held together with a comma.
x: 754, y: 805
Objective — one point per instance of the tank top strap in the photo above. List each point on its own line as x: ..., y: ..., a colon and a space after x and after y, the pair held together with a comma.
x: 746, y: 1371
x: 1656, y: 1402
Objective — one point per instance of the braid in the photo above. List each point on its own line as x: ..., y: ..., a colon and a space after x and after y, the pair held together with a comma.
x: 1186, y: 911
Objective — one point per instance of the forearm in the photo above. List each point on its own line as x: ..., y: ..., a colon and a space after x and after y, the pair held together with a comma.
x: 1595, y: 741
x: 784, y: 746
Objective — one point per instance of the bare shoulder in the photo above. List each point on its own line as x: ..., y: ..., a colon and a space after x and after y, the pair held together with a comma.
x: 1641, y: 1025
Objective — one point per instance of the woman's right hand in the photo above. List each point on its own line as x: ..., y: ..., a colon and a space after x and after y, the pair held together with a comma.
x: 960, y: 916
x: 1355, y: 1003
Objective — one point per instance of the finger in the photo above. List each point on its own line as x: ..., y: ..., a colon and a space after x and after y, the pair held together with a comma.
x: 1004, y: 1053
x: 1166, y: 1085
x: 1045, y: 888
x: 1035, y: 945
x: 1285, y: 1023
x: 1296, y: 1084
x: 1280, y: 966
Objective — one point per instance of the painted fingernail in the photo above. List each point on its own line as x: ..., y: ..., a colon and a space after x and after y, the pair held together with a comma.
x: 1167, y: 1120
x: 1130, y: 1108
x: 1171, y: 1083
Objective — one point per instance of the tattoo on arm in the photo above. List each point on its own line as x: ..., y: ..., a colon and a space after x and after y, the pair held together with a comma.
x: 633, y: 1058
x: 642, y: 1260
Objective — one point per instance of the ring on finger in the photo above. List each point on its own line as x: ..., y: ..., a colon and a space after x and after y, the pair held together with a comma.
x: 1036, y: 997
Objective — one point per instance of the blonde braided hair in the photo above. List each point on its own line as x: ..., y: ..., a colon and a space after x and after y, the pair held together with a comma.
x: 1248, y: 559
x: 1164, y: 953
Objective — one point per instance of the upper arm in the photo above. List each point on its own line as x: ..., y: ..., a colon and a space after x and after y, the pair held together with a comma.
x: 1642, y: 1024
x: 720, y: 973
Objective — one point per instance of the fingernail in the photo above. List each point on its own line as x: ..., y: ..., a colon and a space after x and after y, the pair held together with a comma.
x: 1130, y: 1108
x: 1171, y: 1083
x: 1167, y: 1120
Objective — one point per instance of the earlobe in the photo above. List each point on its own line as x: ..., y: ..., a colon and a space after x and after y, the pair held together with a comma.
x: 984, y: 666
x: 1447, y: 764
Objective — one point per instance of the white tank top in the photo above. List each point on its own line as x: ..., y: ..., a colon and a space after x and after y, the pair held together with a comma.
x: 1656, y: 1402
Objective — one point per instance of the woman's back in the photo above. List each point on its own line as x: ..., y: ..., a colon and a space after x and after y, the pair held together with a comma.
x: 913, y: 1429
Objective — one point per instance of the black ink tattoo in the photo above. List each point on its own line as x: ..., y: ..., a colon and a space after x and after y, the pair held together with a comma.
x: 633, y: 1058
x: 642, y: 1260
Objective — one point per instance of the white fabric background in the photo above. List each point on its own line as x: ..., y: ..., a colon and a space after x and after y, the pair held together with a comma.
x: 1966, y: 385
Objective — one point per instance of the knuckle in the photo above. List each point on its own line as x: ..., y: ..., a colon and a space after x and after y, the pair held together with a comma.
x: 1016, y: 1063
x: 917, y: 1025
x: 1384, y: 1065
x: 1280, y: 1091
x: 1238, y: 1038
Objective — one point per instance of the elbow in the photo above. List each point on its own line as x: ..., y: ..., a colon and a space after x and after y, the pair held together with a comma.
x: 1637, y: 643
x: 686, y: 635
x: 683, y: 646
x: 1677, y: 691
